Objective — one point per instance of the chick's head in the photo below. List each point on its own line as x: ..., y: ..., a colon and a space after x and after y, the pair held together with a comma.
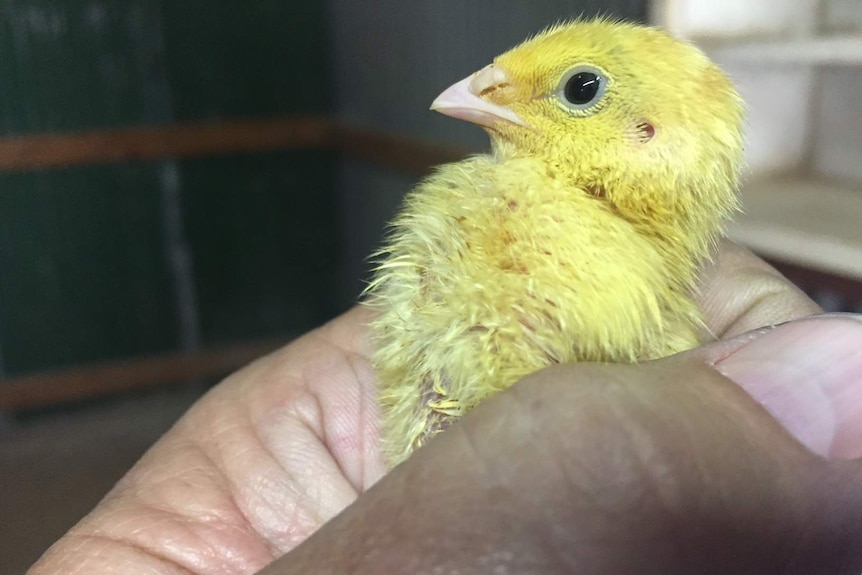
x: 626, y: 112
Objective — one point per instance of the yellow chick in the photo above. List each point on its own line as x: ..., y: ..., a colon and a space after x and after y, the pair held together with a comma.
x: 614, y: 165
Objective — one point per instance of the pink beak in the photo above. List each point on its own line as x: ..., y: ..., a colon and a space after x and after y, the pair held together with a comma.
x: 463, y: 100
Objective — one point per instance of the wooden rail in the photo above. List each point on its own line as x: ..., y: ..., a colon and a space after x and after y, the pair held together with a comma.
x: 52, y: 151
x: 39, y: 152
x: 78, y: 383
x: 391, y: 152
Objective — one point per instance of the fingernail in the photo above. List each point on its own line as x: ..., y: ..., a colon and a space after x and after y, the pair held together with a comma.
x: 808, y: 375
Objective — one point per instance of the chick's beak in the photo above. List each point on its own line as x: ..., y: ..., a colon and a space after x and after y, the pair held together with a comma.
x: 464, y: 100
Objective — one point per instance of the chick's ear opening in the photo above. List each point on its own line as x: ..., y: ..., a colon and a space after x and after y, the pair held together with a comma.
x: 643, y: 131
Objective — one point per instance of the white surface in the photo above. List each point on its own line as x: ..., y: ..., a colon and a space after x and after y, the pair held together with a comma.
x: 843, y: 49
x: 729, y: 18
x: 778, y: 111
x: 842, y: 15
x: 798, y: 64
x: 804, y: 222
x: 837, y: 133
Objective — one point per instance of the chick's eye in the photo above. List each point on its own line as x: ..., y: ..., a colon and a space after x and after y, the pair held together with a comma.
x: 582, y: 88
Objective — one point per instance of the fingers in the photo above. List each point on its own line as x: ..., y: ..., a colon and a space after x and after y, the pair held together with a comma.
x: 667, y: 467
x: 740, y: 292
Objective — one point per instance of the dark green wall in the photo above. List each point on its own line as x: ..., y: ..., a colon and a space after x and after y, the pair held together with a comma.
x: 90, y: 257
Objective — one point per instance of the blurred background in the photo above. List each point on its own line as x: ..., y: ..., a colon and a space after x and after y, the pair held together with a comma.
x: 187, y: 185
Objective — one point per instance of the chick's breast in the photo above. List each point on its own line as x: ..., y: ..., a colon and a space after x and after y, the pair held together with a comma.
x: 494, y: 270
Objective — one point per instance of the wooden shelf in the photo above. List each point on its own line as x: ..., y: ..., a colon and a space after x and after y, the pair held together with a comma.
x: 834, y: 50
x: 804, y: 222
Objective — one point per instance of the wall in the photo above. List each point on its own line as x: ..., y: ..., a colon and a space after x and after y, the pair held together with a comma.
x: 111, y: 261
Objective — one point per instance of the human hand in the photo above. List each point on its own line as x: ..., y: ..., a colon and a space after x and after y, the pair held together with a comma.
x: 281, y: 447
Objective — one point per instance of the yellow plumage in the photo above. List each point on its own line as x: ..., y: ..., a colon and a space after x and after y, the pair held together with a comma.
x: 578, y: 238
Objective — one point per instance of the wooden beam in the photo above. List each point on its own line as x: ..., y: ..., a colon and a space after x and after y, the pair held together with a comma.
x: 391, y: 152
x: 39, y: 152
x: 51, y: 151
x: 86, y: 382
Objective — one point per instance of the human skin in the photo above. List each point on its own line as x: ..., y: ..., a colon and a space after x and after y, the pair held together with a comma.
x: 666, y: 467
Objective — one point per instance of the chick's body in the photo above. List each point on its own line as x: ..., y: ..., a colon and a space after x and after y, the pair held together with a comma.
x: 577, y: 239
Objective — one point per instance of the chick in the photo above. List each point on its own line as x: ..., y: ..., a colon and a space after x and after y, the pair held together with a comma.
x: 615, y: 153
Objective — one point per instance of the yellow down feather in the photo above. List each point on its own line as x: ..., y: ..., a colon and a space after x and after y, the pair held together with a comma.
x: 577, y: 238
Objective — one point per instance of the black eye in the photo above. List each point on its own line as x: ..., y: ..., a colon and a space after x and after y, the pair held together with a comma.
x: 582, y: 88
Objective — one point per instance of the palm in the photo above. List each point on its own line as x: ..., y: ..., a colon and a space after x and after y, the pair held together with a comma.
x: 256, y: 466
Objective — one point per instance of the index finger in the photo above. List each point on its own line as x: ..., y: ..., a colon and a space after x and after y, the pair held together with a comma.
x: 740, y: 292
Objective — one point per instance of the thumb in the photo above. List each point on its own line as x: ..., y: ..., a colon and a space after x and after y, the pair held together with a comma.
x: 808, y: 375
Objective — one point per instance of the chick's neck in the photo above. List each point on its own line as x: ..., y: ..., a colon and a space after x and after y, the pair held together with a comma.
x: 681, y: 213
